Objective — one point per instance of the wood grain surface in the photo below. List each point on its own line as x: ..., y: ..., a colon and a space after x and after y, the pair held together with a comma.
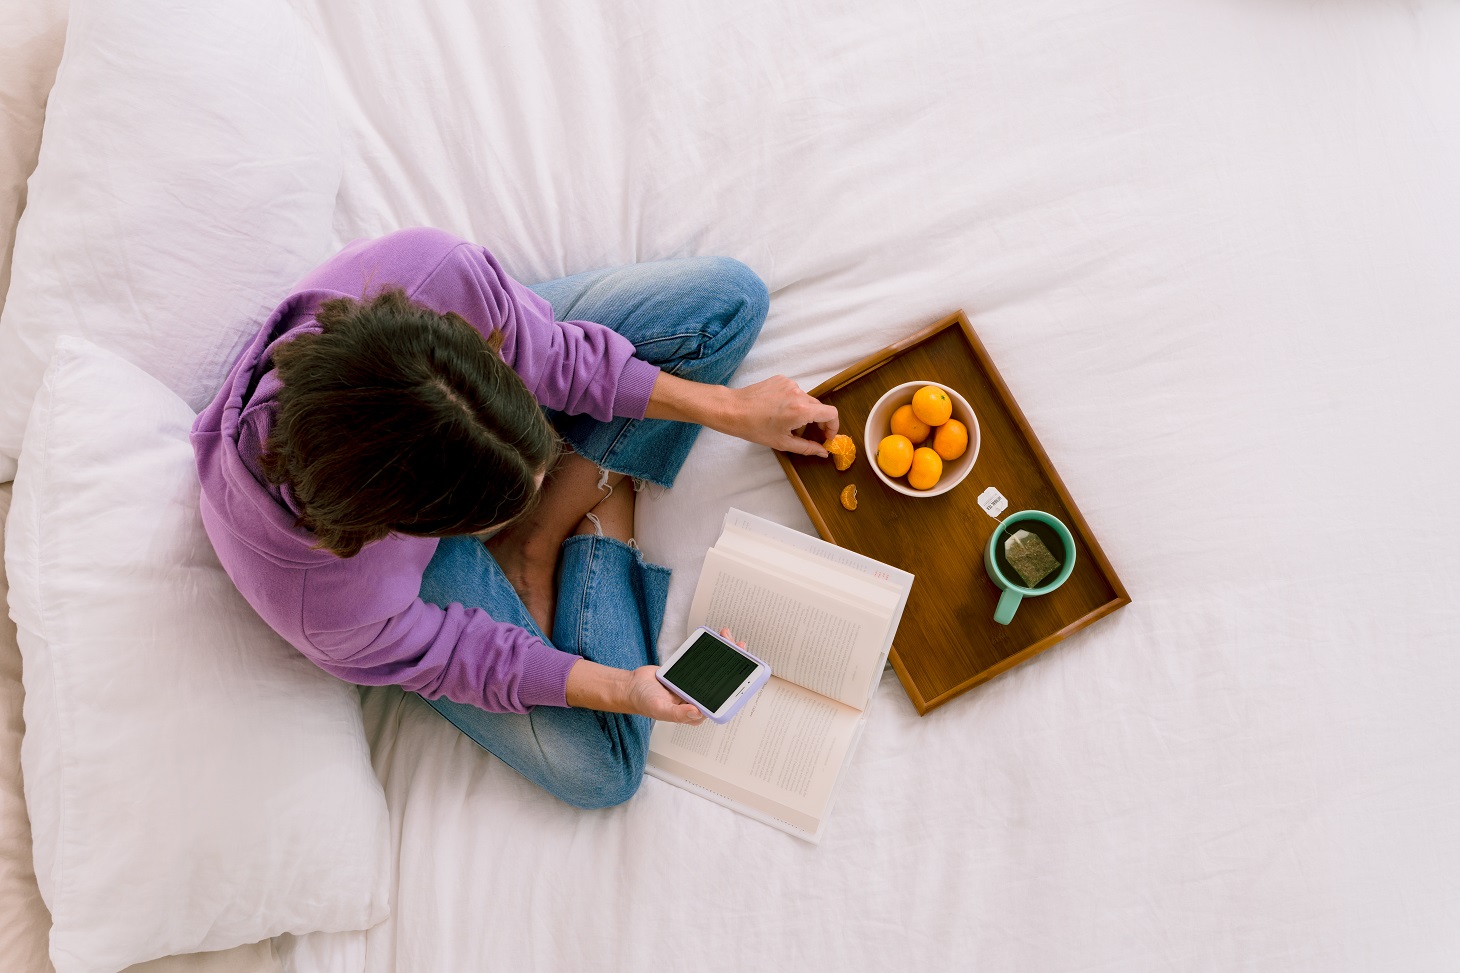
x: 948, y: 641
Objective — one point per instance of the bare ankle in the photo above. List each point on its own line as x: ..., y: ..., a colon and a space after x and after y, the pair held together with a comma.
x: 614, y: 517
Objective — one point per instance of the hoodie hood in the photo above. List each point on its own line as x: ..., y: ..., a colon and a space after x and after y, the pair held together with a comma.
x: 232, y: 494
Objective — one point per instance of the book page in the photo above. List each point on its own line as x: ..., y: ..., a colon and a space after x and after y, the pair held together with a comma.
x: 812, y: 571
x: 825, y: 644
x: 823, y: 618
x: 839, y: 573
x: 781, y: 755
x: 739, y: 524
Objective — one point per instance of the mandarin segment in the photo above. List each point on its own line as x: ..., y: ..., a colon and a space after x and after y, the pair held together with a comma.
x: 843, y: 451
x: 849, y: 496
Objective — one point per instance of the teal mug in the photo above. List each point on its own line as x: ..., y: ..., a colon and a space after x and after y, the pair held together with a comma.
x: 1056, y: 537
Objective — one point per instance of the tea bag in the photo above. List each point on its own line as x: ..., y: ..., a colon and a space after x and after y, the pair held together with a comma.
x: 1029, y: 556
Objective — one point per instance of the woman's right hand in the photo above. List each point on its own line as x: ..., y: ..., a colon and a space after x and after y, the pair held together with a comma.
x: 610, y: 690
x: 649, y: 697
x: 658, y: 698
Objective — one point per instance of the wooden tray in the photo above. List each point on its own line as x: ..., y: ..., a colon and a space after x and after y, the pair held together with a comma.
x: 948, y: 641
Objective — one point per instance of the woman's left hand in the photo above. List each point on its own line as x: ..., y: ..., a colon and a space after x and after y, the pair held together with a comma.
x: 774, y: 412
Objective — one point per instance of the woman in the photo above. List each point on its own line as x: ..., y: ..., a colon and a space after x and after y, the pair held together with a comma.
x: 415, y: 474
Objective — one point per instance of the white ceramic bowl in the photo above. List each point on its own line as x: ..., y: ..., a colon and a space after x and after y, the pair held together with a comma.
x: 879, y: 424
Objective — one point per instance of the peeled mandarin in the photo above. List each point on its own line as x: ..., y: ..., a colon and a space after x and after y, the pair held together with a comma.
x: 904, y: 423
x: 951, y: 439
x: 895, y: 455
x: 843, y: 451
x: 849, y: 496
x: 932, y: 405
x: 927, y: 466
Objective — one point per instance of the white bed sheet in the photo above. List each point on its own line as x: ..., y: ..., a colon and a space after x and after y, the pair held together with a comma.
x: 1212, y: 249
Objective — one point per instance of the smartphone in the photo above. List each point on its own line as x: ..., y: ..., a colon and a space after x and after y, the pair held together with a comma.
x: 714, y: 674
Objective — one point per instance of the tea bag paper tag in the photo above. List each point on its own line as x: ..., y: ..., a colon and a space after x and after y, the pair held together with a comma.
x: 993, y: 502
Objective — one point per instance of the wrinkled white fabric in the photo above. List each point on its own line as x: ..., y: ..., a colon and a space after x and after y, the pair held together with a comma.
x: 188, y: 169
x: 31, y: 34
x: 193, y: 783
x: 1211, y: 249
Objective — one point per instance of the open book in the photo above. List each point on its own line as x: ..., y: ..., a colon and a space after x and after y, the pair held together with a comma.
x: 823, y: 618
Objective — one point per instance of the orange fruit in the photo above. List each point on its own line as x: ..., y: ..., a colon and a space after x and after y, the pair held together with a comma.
x: 843, y: 451
x: 927, y: 466
x: 904, y: 423
x: 849, y: 496
x: 951, y: 439
x: 932, y: 405
x: 895, y: 455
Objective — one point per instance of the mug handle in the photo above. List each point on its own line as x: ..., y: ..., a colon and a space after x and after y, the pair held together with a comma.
x: 1008, y: 605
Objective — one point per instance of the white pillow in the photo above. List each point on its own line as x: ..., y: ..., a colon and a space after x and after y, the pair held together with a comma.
x: 193, y: 782
x: 186, y: 179
x: 31, y: 34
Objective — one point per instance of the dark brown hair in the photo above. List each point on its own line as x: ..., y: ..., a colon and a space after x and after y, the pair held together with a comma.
x: 396, y: 418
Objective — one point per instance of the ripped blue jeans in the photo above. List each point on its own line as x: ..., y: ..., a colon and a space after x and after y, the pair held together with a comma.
x: 695, y: 318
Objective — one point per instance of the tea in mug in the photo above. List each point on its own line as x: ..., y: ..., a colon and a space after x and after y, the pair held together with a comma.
x: 1031, y: 553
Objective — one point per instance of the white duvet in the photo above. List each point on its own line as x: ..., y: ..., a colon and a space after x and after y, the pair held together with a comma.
x: 1212, y: 249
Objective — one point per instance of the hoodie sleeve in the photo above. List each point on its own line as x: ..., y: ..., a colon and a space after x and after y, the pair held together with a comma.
x: 368, y: 627
x: 578, y: 367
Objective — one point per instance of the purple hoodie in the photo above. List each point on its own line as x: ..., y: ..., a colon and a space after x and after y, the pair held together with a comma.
x: 360, y: 618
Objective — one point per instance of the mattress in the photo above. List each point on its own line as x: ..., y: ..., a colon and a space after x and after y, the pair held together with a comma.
x: 1211, y: 249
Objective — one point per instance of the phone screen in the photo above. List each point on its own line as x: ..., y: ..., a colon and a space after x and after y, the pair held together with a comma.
x: 709, y: 671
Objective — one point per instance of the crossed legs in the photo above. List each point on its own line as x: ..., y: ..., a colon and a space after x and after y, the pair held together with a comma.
x: 528, y: 551
x: 696, y: 317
